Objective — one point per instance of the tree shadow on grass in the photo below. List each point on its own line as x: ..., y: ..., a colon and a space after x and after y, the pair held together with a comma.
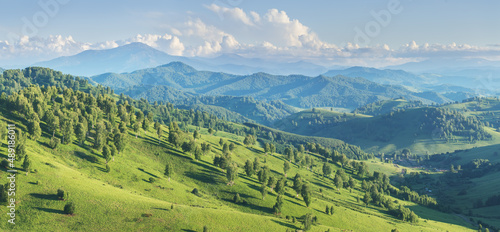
x: 251, y: 206
x: 255, y: 150
x: 276, y: 173
x: 84, y: 156
x: 188, y: 230
x: 201, y: 176
x: 322, y: 185
x: 56, y: 211
x: 242, y: 195
x: 44, y: 144
x: 206, y: 165
x: 162, y: 209
x: 149, y: 173
x: 165, y: 146
x: 101, y: 169
x: 289, y: 225
x: 319, y: 211
x: 249, y: 179
x: 295, y: 203
x: 44, y: 196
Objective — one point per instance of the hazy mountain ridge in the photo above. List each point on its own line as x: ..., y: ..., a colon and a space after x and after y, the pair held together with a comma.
x: 456, y: 87
x: 237, y: 109
x: 136, y: 56
x: 295, y: 90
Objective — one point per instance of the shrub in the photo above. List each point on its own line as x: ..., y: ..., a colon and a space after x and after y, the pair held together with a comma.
x: 108, y: 168
x: 151, y: 180
x: 54, y: 142
x: 62, y: 195
x: 237, y: 198
x: 195, y: 192
x: 69, y: 208
x: 5, y: 163
x: 4, y: 193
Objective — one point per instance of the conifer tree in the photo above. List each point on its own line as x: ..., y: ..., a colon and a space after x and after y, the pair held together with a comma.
x: 27, y: 164
x: 169, y: 170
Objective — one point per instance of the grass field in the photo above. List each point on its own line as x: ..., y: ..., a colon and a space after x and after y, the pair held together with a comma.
x: 125, y: 200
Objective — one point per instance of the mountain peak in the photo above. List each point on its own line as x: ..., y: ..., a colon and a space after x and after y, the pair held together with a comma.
x: 180, y: 67
x: 126, y: 58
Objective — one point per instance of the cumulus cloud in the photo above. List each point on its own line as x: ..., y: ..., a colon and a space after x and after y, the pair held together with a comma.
x: 167, y: 43
x: 213, y: 40
x: 232, y: 13
x: 31, y: 49
x: 27, y: 50
x: 270, y: 35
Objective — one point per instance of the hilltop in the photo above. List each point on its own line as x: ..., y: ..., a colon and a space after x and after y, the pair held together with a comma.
x: 387, y: 106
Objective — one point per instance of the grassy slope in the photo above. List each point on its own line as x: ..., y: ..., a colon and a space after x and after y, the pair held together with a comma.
x: 406, y: 123
x: 487, y: 109
x: 115, y: 201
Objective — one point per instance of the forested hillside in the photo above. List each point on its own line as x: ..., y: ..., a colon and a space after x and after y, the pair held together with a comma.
x: 399, y: 129
x: 91, y: 160
x: 295, y: 90
x: 237, y: 109
x: 387, y: 106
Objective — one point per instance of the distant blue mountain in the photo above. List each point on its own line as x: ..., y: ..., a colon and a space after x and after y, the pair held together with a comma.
x: 453, y: 85
x: 136, y: 56
x: 296, y: 90
x: 445, y: 65
x: 125, y: 58
x: 479, y: 74
x: 386, y: 76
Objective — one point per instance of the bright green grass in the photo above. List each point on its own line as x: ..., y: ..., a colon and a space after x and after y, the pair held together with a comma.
x: 116, y: 201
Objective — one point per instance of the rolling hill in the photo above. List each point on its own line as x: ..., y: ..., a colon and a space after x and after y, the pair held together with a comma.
x: 238, y: 109
x: 295, y: 90
x: 386, y: 76
x: 387, y: 106
x: 425, y: 130
x: 173, y: 172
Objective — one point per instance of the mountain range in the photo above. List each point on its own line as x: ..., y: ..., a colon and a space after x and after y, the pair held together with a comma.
x: 479, y: 75
x: 135, y: 56
x: 295, y: 90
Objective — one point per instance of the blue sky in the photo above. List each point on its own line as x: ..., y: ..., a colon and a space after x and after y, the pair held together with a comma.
x: 321, y: 31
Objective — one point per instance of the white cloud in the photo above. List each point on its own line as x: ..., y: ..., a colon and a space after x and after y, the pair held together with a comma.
x: 271, y: 35
x: 255, y: 16
x: 232, y: 13
x: 167, y: 43
x: 276, y: 16
x: 211, y: 40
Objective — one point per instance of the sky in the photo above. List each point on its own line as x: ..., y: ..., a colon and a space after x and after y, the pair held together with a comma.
x: 327, y: 32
